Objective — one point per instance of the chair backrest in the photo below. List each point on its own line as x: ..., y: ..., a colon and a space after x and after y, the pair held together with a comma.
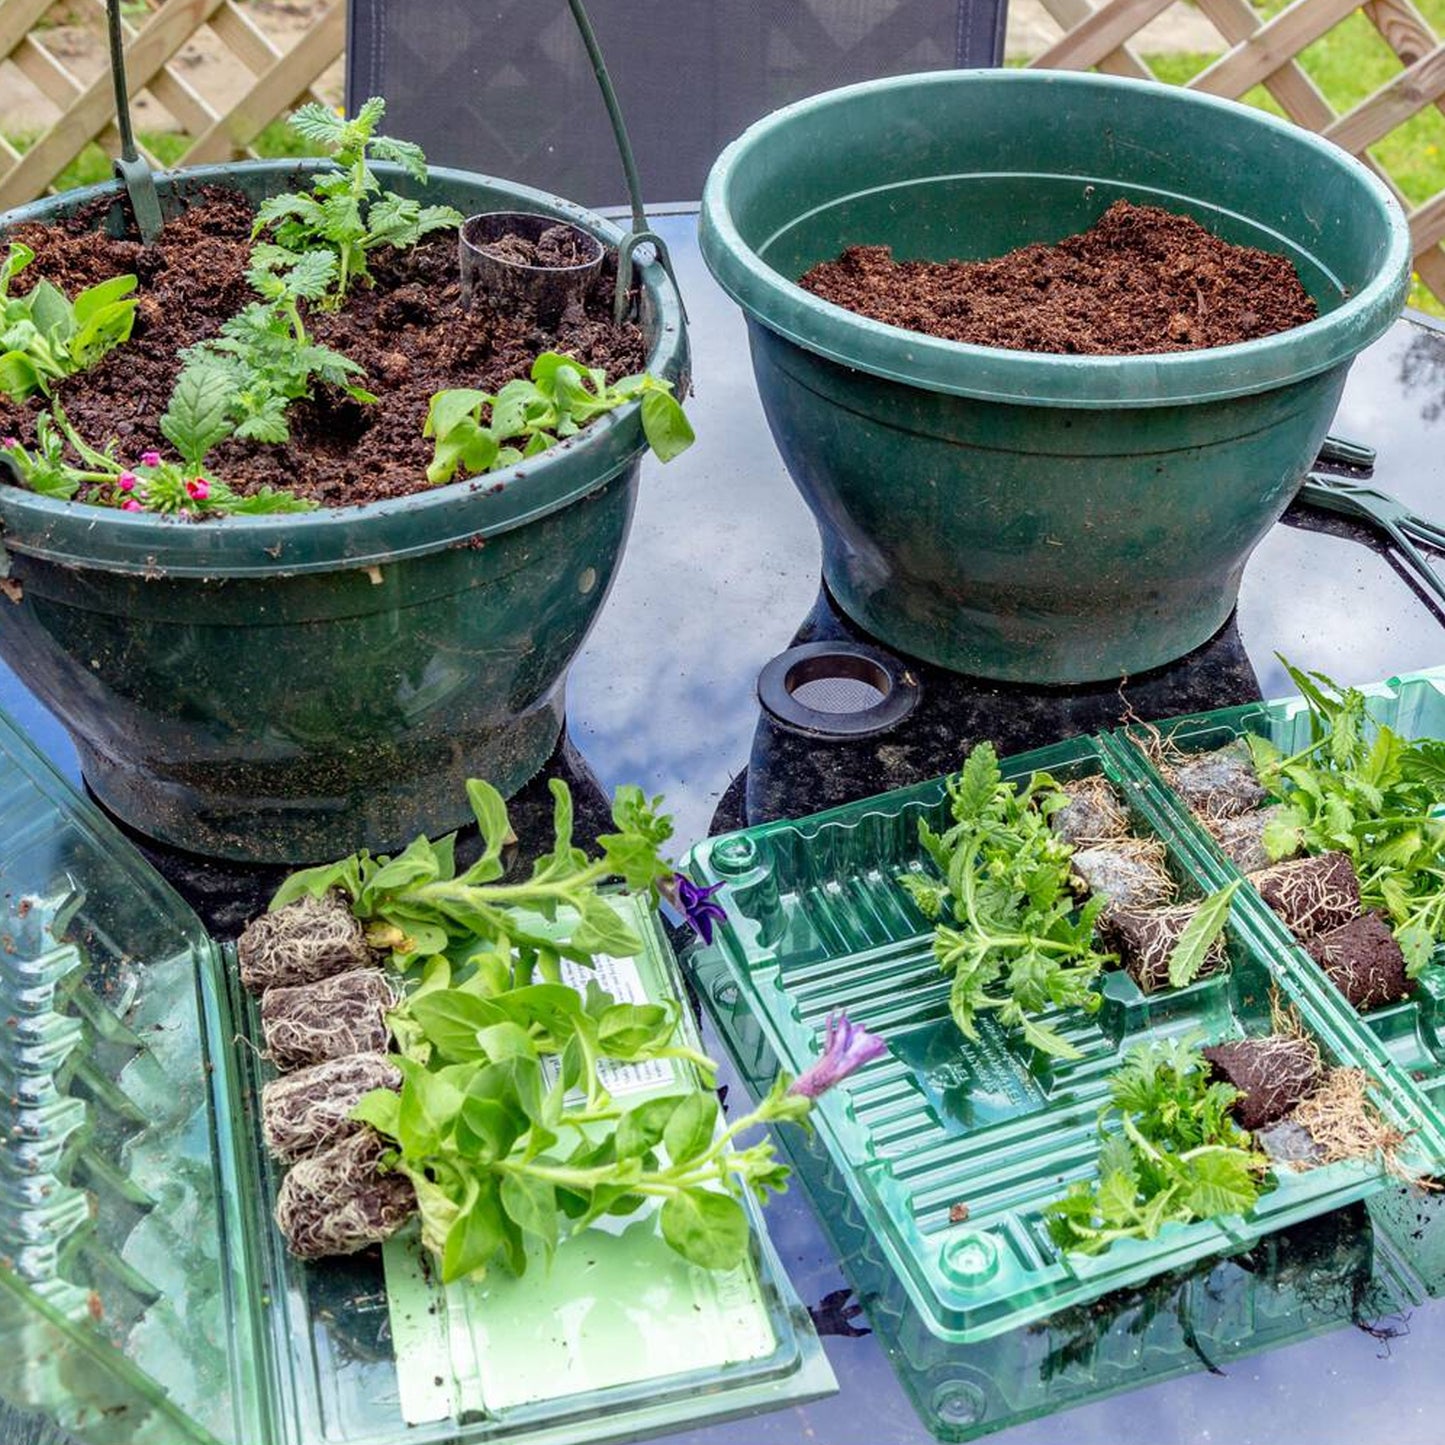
x: 504, y: 86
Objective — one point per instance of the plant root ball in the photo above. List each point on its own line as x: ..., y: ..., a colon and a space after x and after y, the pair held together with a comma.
x: 343, y: 1014
x: 1093, y: 813
x: 1363, y: 960
x: 307, y: 940
x: 1241, y: 838
x: 1145, y: 937
x: 1311, y: 895
x: 1272, y: 1074
x: 310, y: 1110
x: 1218, y: 784
x: 340, y: 1200
x: 1128, y: 872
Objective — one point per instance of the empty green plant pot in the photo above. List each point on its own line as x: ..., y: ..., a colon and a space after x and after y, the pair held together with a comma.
x: 291, y: 688
x: 1041, y: 518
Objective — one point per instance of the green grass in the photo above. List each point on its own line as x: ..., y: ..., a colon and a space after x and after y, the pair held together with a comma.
x: 93, y: 165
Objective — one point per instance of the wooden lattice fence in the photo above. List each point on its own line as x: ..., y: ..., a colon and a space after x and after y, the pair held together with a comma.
x: 268, y: 80
x: 265, y: 81
x: 1259, y: 51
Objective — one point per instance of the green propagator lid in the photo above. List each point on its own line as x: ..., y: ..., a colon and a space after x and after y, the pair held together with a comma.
x: 145, y: 1295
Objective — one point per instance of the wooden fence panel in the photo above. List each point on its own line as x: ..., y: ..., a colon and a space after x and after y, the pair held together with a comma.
x: 263, y: 82
x: 1255, y: 51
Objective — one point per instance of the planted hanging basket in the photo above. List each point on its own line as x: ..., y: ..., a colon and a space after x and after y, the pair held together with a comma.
x: 1043, y: 518
x: 286, y: 686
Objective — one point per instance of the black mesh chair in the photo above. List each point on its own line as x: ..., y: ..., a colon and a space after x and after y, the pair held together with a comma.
x: 504, y: 86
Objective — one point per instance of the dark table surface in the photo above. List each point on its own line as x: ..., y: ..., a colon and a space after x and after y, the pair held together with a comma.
x: 722, y: 573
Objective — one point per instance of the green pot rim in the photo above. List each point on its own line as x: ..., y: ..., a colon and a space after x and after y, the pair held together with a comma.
x: 990, y: 373
x: 372, y: 533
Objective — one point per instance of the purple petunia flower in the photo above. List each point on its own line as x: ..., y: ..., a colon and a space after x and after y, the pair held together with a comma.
x: 150, y: 459
x: 846, y: 1046
x: 695, y: 904
x: 9, y: 443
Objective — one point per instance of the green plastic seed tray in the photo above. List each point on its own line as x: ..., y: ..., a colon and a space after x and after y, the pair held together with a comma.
x: 950, y: 1149
x: 1406, y: 1040
x: 1350, y: 1267
x: 145, y: 1298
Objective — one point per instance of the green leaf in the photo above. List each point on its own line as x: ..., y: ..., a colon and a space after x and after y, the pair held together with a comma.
x: 490, y: 811
x: 95, y: 299
x: 627, y: 1030
x: 475, y: 1235
x: 706, y: 1228
x: 453, y: 1021
x: 488, y: 1127
x: 197, y: 418
x: 690, y: 1130
x: 603, y: 931
x: 19, y: 376
x: 381, y: 1108
x: 641, y: 1128
x: 1418, y: 946
x: 345, y: 875
x: 976, y: 784
x: 1220, y: 1181
x: 667, y: 429
x: 532, y: 1205
x: 1199, y: 935
x: 429, y: 1106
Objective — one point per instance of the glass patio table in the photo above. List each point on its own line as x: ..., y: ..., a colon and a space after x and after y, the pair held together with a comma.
x: 722, y: 574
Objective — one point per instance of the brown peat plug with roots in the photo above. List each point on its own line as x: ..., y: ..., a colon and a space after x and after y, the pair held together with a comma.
x: 1311, y: 895
x: 341, y: 1200
x: 1363, y: 960
x: 1129, y: 872
x: 1145, y: 937
x: 1273, y: 1075
x: 1241, y: 837
x: 1220, y: 784
x: 307, y: 940
x: 312, y: 1022
x: 309, y: 1110
x: 1093, y: 814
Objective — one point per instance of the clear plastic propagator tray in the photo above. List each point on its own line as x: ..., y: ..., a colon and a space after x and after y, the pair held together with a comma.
x: 950, y: 1149
x: 145, y: 1297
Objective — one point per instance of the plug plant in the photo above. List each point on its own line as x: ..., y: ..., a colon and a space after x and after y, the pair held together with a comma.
x: 44, y: 336
x: 503, y: 1123
x: 1170, y: 1153
x: 347, y: 214
x: 1008, y: 928
x: 195, y: 422
x: 527, y: 417
x: 1361, y: 789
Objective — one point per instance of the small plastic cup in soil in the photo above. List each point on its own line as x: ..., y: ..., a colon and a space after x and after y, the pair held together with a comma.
x: 518, y: 279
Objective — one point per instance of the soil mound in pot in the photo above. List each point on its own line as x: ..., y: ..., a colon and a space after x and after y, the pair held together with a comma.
x: 1140, y: 280
x: 409, y: 331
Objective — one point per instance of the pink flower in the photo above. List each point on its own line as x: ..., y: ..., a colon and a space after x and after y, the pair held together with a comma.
x: 131, y: 505
x: 846, y: 1047
x: 126, y: 481
x: 197, y: 490
x: 150, y: 459
x: 9, y: 443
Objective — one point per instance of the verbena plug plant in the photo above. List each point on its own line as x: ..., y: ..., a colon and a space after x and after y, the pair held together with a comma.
x: 527, y: 417
x: 503, y: 1123
x: 195, y: 422
x: 1362, y: 788
x: 265, y: 351
x: 44, y: 336
x: 1169, y: 1153
x: 346, y: 214
x: 1008, y: 926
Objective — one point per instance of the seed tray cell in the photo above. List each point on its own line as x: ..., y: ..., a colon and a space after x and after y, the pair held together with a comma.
x: 1408, y: 1037
x: 944, y: 1127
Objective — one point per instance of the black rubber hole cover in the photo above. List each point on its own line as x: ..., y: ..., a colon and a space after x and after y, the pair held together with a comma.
x: 837, y: 690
